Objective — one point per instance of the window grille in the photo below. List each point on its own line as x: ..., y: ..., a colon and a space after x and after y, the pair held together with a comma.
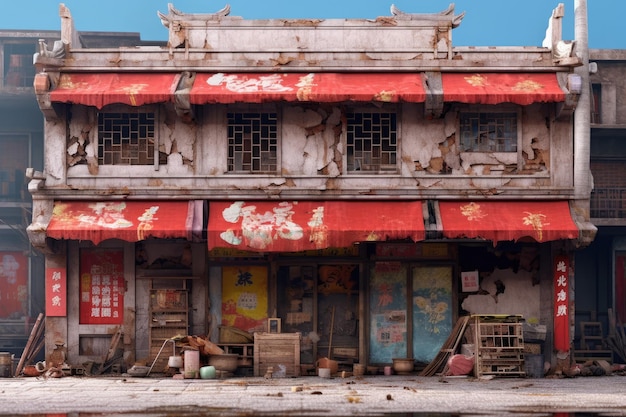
x: 253, y: 142
x: 128, y: 139
x: 371, y: 141
x: 488, y: 132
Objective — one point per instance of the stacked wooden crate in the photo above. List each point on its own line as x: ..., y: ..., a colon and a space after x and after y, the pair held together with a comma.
x: 279, y: 352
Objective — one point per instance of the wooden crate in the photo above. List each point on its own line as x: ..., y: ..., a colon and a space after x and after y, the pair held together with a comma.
x: 281, y: 351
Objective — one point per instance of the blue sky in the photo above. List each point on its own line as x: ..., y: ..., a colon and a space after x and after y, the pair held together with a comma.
x: 486, y: 22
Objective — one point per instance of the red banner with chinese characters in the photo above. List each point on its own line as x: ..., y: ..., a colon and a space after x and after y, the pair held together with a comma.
x: 13, y: 284
x: 101, y: 286
x: 56, y: 292
x: 561, y: 303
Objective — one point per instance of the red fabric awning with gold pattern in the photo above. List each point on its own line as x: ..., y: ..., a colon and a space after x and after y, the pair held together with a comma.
x: 495, y: 88
x: 101, y: 89
x: 131, y: 221
x: 295, y: 226
x: 497, y: 221
x: 308, y: 87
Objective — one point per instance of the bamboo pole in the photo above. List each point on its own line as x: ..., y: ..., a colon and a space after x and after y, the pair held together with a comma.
x: 330, y: 338
x: 31, y: 338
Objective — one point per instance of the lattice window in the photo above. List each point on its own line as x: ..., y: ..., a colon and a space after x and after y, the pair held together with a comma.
x: 488, y: 132
x: 127, y: 139
x: 253, y: 142
x: 371, y: 141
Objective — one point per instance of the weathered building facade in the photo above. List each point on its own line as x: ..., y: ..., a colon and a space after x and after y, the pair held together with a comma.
x: 363, y: 181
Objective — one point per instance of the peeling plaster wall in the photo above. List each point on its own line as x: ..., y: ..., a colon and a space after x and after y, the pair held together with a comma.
x: 54, y: 152
x: 434, y: 150
x: 519, y: 295
x: 312, y: 153
x: 310, y: 146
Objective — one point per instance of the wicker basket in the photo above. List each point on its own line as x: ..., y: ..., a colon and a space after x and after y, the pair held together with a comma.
x: 233, y: 335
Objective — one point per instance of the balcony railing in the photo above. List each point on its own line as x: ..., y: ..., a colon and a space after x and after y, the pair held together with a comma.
x: 608, y: 203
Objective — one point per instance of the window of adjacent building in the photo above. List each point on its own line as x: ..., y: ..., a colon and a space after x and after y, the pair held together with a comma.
x: 596, y: 101
x: 371, y: 141
x: 253, y: 142
x: 487, y: 131
x: 19, y: 70
x: 128, y: 139
x: 14, y: 159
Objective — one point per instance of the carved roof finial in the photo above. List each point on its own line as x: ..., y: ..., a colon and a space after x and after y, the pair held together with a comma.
x: 443, y: 16
x: 175, y: 14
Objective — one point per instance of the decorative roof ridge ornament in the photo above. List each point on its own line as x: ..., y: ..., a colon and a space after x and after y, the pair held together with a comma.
x: 175, y: 14
x: 445, y: 15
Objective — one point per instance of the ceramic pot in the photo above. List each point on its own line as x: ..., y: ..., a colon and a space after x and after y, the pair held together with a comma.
x: 328, y: 363
x: 208, y: 372
x: 403, y: 365
x: 226, y: 362
x: 191, y: 363
x: 175, y: 362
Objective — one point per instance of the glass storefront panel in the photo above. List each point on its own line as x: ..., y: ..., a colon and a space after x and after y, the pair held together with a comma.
x: 432, y: 310
x: 388, y: 312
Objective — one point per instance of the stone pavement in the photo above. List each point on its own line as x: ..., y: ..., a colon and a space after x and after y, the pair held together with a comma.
x: 311, y: 396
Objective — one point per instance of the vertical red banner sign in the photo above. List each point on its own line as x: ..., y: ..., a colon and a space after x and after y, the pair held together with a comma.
x: 13, y: 284
x: 101, y: 286
x: 561, y: 303
x: 56, y: 292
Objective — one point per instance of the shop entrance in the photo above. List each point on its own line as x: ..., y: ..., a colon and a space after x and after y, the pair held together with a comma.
x: 411, y: 311
x: 321, y: 301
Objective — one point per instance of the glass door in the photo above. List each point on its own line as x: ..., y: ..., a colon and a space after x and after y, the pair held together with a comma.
x: 388, y: 312
x: 432, y: 310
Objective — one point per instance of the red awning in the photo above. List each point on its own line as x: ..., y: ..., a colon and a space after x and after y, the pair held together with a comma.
x: 494, y: 88
x: 313, y: 87
x: 295, y: 226
x: 504, y: 220
x: 100, y: 89
x: 126, y: 220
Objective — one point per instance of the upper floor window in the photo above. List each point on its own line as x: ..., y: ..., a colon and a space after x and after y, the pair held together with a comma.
x: 488, y: 131
x: 14, y: 158
x: 253, y: 142
x: 371, y: 141
x: 128, y: 139
x: 19, y: 70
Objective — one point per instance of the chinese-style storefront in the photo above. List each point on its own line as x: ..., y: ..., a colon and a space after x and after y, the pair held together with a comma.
x: 351, y: 198
x: 360, y: 281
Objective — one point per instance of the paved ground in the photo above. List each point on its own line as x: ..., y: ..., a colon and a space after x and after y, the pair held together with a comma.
x: 311, y: 396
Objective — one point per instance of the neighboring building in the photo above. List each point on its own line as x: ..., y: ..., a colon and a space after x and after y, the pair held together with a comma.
x: 600, y: 273
x: 21, y: 146
x: 363, y: 181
